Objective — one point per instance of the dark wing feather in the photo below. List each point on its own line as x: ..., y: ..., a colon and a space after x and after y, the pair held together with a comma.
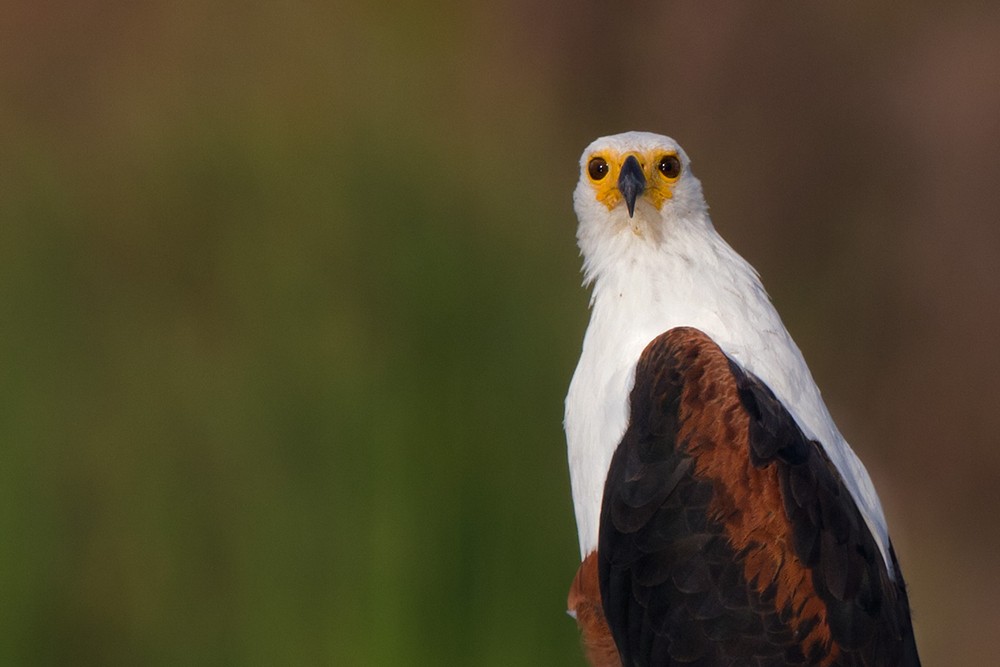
x: 728, y: 538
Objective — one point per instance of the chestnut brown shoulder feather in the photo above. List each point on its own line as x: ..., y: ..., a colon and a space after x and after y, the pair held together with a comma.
x: 728, y: 537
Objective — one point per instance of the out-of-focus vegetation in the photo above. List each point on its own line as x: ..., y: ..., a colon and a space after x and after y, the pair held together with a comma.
x: 289, y: 299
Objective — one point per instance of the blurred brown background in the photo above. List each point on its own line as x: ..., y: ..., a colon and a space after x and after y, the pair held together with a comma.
x: 289, y: 301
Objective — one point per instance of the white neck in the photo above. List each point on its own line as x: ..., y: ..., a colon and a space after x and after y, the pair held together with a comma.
x: 644, y: 287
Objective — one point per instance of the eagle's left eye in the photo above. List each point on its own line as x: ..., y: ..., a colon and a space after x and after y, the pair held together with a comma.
x: 669, y: 166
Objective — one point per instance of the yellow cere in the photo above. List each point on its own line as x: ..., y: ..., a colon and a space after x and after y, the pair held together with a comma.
x: 658, y: 186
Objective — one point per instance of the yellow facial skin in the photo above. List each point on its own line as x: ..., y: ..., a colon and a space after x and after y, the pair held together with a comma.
x: 658, y: 185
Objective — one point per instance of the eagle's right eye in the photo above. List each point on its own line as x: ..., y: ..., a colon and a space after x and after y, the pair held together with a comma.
x: 597, y: 168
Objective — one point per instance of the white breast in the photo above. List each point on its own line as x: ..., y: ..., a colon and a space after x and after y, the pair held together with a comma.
x: 702, y: 283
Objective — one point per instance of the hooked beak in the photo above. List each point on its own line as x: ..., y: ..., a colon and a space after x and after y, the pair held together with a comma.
x: 631, y: 182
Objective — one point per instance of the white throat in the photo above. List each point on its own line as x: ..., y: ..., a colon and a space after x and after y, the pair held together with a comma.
x: 644, y: 286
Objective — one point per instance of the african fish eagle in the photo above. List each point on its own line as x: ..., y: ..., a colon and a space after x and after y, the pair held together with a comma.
x: 723, y: 519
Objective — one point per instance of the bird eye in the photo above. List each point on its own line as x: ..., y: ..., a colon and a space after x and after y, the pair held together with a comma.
x: 669, y: 166
x: 597, y: 168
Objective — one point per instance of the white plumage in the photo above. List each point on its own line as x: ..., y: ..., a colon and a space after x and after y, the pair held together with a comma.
x: 662, y: 268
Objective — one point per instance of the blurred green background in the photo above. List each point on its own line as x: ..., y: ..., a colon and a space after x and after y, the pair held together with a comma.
x: 289, y: 302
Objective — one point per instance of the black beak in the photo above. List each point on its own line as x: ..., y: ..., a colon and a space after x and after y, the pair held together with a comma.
x: 631, y: 182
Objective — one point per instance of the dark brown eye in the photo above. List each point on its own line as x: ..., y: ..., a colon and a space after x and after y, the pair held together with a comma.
x: 597, y: 168
x: 669, y: 166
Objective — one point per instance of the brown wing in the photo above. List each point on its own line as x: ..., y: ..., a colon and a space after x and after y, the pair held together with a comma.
x: 728, y: 538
